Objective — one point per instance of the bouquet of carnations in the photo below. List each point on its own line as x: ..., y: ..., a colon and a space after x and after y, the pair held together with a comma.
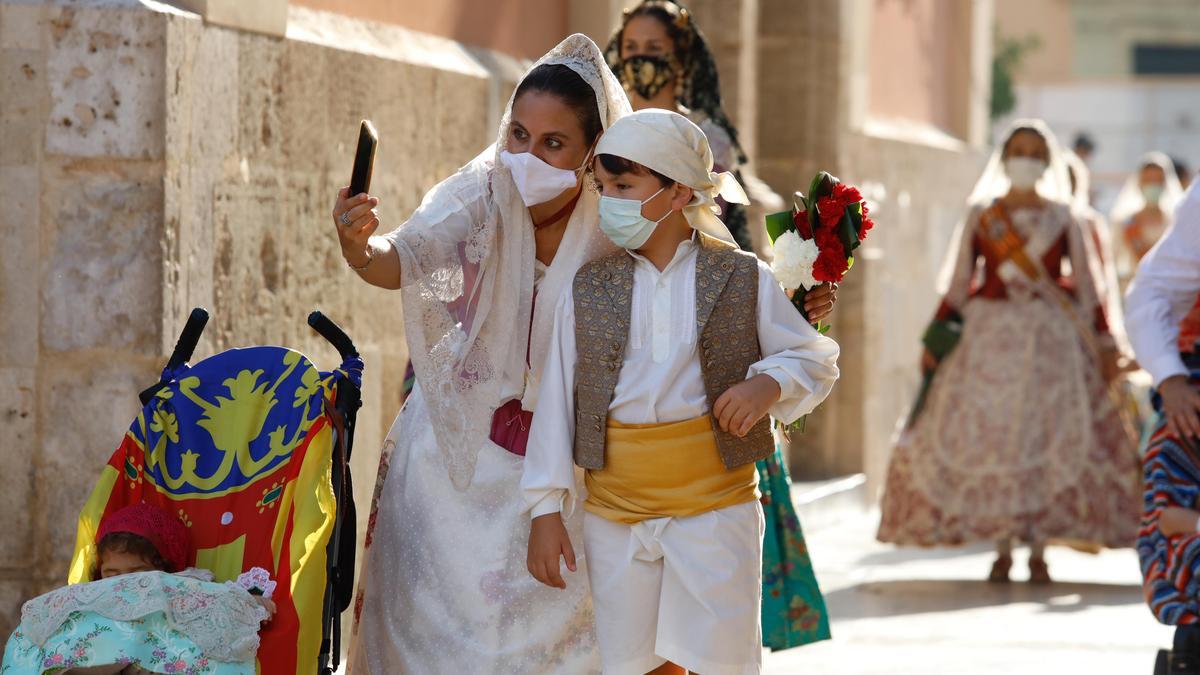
x: 814, y: 242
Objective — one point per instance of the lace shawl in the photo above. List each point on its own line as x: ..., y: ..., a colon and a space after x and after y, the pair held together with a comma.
x: 467, y: 279
x: 221, y: 619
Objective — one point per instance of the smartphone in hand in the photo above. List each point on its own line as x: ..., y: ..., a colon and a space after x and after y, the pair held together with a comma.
x: 364, y: 159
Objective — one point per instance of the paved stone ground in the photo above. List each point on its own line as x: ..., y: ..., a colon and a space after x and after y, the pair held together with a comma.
x: 930, y: 612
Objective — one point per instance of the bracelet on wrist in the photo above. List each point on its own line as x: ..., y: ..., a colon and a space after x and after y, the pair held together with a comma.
x: 370, y: 257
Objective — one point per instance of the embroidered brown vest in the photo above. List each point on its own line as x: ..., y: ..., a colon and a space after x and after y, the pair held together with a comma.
x: 726, y: 323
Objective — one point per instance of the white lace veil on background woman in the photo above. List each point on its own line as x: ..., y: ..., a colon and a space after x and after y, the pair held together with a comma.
x: 1101, y: 232
x: 1131, y: 200
x: 467, y: 260
x: 993, y: 183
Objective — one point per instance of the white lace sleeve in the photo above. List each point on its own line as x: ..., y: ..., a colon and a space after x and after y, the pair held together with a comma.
x: 961, y: 262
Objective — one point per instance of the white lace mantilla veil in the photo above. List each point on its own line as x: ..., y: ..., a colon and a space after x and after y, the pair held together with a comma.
x: 1101, y: 229
x: 467, y: 277
x: 993, y: 183
x: 1130, y: 199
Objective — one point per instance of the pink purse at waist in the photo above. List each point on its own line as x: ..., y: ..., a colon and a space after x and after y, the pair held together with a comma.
x: 510, y: 424
x: 510, y: 427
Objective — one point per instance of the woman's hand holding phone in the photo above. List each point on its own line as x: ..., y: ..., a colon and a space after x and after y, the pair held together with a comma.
x: 355, y: 218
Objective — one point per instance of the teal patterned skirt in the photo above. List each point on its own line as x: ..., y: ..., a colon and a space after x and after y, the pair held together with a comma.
x: 793, y: 610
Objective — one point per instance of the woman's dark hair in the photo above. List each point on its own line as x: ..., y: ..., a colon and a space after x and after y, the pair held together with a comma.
x: 128, y: 542
x: 1018, y: 130
x: 566, y: 84
x: 674, y: 18
x: 619, y: 166
x: 1181, y: 169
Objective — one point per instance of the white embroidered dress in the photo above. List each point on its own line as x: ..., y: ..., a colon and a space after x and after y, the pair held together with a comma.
x: 445, y: 586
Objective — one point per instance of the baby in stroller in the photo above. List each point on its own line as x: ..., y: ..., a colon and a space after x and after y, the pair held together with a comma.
x: 145, y: 611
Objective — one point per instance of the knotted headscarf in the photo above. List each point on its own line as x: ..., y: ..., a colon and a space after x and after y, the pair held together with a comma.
x: 674, y: 146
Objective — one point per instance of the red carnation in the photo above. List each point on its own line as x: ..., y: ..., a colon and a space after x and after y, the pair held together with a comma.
x: 827, y: 237
x: 867, y: 224
x: 803, y: 228
x: 831, y: 265
x: 831, y: 211
x: 846, y: 194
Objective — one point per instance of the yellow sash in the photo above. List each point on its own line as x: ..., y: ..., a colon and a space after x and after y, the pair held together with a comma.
x: 665, y: 470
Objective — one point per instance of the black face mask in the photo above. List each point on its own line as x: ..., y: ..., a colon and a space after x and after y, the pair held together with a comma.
x: 646, y: 75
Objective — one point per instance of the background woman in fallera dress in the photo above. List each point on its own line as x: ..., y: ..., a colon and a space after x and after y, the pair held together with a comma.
x: 1019, y: 438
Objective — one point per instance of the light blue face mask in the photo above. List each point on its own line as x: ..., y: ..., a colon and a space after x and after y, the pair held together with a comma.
x: 623, y: 222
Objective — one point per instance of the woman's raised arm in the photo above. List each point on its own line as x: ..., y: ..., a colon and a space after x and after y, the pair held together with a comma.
x: 373, y: 258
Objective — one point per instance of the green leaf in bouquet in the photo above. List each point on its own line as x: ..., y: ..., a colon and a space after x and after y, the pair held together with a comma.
x: 822, y: 185
x: 779, y: 223
x: 846, y: 232
x: 797, y: 426
x: 849, y: 262
x: 856, y: 217
x: 798, y: 297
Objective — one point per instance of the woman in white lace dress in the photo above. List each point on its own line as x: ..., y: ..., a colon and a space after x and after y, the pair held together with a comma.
x: 1018, y: 438
x: 446, y: 588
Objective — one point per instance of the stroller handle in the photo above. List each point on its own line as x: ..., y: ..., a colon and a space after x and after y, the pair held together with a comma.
x: 329, y: 330
x: 188, y: 338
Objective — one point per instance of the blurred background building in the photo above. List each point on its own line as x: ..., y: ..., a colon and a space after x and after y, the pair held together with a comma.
x: 1126, y: 73
x: 158, y: 156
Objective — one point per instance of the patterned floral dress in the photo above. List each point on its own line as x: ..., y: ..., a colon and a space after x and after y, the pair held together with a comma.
x: 793, y: 609
x: 162, y: 623
x: 1019, y: 437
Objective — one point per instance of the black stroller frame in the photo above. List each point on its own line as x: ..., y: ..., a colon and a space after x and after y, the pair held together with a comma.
x: 339, y: 572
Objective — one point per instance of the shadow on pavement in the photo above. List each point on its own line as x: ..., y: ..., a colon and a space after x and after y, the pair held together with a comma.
x: 906, y: 554
x: 903, y: 597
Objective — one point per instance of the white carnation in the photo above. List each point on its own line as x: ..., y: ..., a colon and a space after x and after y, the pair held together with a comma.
x: 794, y: 258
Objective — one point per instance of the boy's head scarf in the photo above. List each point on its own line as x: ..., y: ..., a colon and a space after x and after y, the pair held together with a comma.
x: 672, y: 145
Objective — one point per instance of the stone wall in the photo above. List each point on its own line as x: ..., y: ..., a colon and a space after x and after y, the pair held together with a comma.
x: 150, y: 163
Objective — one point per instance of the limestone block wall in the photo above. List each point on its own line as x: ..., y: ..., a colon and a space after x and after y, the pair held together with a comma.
x: 150, y: 163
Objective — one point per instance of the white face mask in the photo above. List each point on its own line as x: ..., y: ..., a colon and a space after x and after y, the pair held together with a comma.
x: 1152, y: 193
x: 537, y: 181
x: 1024, y: 172
x: 623, y: 222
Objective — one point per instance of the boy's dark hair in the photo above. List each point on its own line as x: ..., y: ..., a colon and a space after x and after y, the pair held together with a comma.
x: 566, y: 84
x: 128, y: 542
x: 619, y: 166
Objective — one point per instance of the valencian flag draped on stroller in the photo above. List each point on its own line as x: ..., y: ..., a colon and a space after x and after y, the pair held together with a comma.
x: 250, y: 448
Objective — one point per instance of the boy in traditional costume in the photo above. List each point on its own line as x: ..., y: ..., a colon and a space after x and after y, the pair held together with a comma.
x: 664, y: 361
